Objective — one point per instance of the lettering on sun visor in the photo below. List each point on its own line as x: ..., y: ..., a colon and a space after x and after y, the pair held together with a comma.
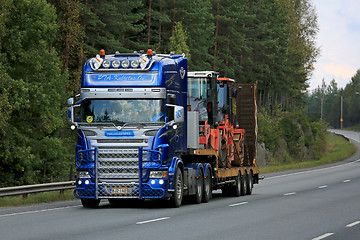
x: 118, y: 77
x: 119, y: 134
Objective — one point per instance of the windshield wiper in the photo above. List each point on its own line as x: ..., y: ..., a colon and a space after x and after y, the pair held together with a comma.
x: 119, y: 128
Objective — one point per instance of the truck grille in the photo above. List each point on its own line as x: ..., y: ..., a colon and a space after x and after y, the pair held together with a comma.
x: 118, y: 164
x: 118, y: 172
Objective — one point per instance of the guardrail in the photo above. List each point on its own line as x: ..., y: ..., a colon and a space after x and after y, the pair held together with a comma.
x: 36, y: 188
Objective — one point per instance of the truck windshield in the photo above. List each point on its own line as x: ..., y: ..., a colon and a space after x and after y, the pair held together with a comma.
x: 197, y: 87
x: 122, y: 110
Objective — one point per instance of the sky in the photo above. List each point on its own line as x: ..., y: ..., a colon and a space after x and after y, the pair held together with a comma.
x: 339, y: 41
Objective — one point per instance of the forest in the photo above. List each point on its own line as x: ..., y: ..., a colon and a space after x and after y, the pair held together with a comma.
x: 44, y: 44
x: 331, y: 104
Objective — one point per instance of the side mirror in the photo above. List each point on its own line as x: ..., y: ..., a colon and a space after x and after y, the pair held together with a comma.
x: 179, y: 114
x: 70, y: 114
x: 70, y: 101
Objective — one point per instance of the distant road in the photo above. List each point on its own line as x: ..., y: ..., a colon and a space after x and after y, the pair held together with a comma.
x: 317, y: 203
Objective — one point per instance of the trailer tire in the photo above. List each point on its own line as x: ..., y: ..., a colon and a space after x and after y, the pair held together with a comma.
x: 178, y: 194
x: 207, y: 187
x: 90, y: 203
x: 244, y: 184
x: 237, y: 187
x: 250, y: 183
x: 199, y: 187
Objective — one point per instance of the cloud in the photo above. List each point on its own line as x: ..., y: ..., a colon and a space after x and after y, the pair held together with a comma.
x: 339, y: 40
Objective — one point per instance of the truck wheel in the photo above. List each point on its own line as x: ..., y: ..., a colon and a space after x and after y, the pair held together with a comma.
x: 90, y: 203
x: 250, y: 183
x: 237, y: 187
x: 208, y: 187
x: 244, y: 184
x: 199, y: 188
x: 177, y: 197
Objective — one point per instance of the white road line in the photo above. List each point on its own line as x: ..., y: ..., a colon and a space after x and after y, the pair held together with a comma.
x: 37, y: 211
x: 290, y: 193
x: 315, y: 170
x: 323, y: 236
x: 324, y: 186
x: 237, y: 204
x: 153, y: 220
x: 353, y: 224
x: 348, y: 180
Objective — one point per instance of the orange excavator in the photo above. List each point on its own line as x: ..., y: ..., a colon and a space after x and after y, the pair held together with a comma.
x: 219, y: 128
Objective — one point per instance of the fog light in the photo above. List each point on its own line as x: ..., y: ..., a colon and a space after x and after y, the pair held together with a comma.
x: 161, y: 182
x: 79, y: 182
x: 152, y: 182
x: 87, y: 182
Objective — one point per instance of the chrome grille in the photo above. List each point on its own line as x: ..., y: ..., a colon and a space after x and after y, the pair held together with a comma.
x: 118, y: 163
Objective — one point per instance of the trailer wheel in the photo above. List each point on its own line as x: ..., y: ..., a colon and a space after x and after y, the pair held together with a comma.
x: 208, y: 187
x: 199, y: 187
x: 250, y: 183
x: 90, y: 203
x: 244, y: 184
x: 177, y: 196
x: 237, y: 187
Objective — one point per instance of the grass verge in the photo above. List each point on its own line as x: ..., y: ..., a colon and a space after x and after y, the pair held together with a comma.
x: 37, y: 198
x: 337, y: 149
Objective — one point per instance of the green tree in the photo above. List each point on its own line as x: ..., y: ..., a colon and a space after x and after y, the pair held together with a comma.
x: 34, y: 86
x: 196, y: 17
x: 178, y: 41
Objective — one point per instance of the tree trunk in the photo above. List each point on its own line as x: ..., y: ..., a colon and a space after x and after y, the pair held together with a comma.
x: 216, y: 32
x: 173, y: 19
x: 149, y: 22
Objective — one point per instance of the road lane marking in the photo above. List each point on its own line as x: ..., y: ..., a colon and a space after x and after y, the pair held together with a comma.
x: 153, y: 220
x: 37, y: 211
x: 290, y: 193
x: 353, y: 224
x: 324, y: 186
x: 348, y: 180
x: 310, y: 171
x: 237, y: 204
x: 323, y: 236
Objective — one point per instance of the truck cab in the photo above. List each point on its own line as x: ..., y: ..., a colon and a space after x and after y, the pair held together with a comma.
x: 131, y: 126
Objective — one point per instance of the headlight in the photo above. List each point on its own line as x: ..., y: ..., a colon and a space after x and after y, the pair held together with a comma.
x: 106, y: 63
x: 158, y: 174
x: 125, y: 63
x: 83, y: 174
x: 115, y: 63
x: 134, y: 63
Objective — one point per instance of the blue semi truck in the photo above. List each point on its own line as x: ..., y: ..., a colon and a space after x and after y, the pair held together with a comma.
x: 137, y: 137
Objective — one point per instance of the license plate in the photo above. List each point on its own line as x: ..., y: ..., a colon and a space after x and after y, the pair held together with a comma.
x: 119, y: 190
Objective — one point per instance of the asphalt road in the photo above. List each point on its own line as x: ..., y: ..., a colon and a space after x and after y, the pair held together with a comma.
x: 317, y: 203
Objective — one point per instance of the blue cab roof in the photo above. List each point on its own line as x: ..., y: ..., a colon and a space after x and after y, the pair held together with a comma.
x: 136, y: 70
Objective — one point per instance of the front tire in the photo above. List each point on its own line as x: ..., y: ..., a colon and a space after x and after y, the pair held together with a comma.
x: 90, y: 203
x: 178, y: 194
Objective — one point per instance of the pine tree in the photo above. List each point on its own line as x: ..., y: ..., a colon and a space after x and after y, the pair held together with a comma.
x: 196, y: 17
x: 178, y: 40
